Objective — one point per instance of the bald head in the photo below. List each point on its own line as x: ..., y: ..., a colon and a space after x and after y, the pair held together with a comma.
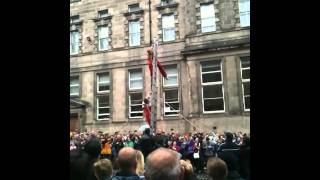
x: 163, y: 164
x: 127, y: 159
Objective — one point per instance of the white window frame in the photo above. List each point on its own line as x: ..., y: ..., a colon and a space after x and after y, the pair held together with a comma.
x: 135, y: 117
x: 246, y: 13
x: 75, y: 43
x: 103, y: 82
x: 168, y: 28
x: 210, y: 84
x: 75, y: 85
x: 164, y: 104
x: 100, y: 38
x: 171, y: 75
x: 104, y: 114
x: 135, y: 79
x: 211, y: 17
x: 134, y: 33
x: 244, y: 81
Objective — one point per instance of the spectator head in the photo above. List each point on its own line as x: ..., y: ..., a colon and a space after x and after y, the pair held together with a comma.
x: 246, y: 141
x: 163, y: 164
x: 188, y: 169
x: 93, y: 148
x: 140, y: 162
x: 217, y: 168
x: 229, y: 137
x: 127, y: 160
x: 102, y: 169
x: 147, y: 131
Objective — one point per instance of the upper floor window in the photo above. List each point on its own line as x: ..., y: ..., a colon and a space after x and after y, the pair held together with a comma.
x: 103, y: 82
x: 74, y: 42
x: 208, y: 23
x: 74, y: 86
x: 135, y: 79
x: 103, y: 13
x: 134, y: 33
x: 168, y: 27
x: 103, y: 37
x: 133, y: 7
x: 244, y: 10
x: 245, y: 76
x: 74, y: 19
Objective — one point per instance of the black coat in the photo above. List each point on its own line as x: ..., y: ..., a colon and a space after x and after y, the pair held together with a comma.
x: 234, y: 175
x: 244, y: 162
x: 146, y: 145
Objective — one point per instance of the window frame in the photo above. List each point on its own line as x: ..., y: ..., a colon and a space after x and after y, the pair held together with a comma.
x: 99, y: 38
x: 97, y: 107
x: 164, y: 103
x: 135, y: 90
x: 136, y: 33
x: 213, y: 84
x: 98, y: 94
x: 212, y: 17
x: 242, y: 82
x: 168, y: 28
x: 177, y: 75
x: 130, y: 6
x: 76, y: 42
x: 75, y: 95
x: 103, y: 13
x: 246, y: 13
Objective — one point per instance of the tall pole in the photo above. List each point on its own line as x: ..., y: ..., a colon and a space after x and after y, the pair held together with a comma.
x: 150, y: 23
x: 154, y: 87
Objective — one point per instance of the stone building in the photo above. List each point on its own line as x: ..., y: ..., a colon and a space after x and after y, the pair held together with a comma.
x: 203, y: 44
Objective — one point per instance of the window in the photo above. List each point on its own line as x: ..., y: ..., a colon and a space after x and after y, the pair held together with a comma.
x: 103, y: 107
x: 135, y: 93
x: 74, y: 42
x: 168, y: 28
x: 135, y: 101
x: 74, y: 19
x: 244, y: 10
x: 103, y: 38
x: 212, y: 87
x: 135, y: 79
x: 103, y: 95
x: 74, y: 86
x: 164, y: 2
x: 245, y: 76
x: 103, y: 83
x: 208, y: 23
x: 103, y: 13
x: 172, y: 75
x: 134, y: 33
x: 171, y: 91
x: 134, y: 7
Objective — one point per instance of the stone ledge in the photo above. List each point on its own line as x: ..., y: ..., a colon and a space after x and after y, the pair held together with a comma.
x: 140, y: 11
x: 102, y: 18
x: 166, y: 5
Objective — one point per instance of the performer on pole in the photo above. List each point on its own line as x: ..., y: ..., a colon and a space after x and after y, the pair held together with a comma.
x: 149, y: 62
x: 147, y: 111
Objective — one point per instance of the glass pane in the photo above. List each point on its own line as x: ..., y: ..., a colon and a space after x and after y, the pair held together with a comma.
x: 136, y: 96
x: 172, y: 80
x: 134, y: 7
x: 136, y: 114
x: 213, y: 91
x: 103, y: 116
x: 247, y: 102
x: 104, y: 87
x: 103, y: 32
x: 246, y: 88
x: 103, y: 44
x: 74, y: 81
x: 134, y: 74
x: 136, y: 84
x: 246, y: 74
x: 169, y: 34
x: 103, y: 77
x: 171, y: 113
x: 244, y: 19
x: 136, y: 108
x: 211, y: 77
x: 104, y: 110
x: 134, y: 27
x: 134, y: 39
x: 211, y: 66
x: 245, y: 62
x: 213, y: 105
x: 244, y: 5
x: 171, y: 95
x: 103, y: 13
x: 208, y: 29
x: 168, y: 21
x: 74, y: 90
x: 208, y: 22
x: 103, y: 101
x: 172, y: 106
x: 207, y: 10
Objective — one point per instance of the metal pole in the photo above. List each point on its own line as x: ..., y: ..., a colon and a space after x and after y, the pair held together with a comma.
x: 150, y: 23
x: 154, y: 87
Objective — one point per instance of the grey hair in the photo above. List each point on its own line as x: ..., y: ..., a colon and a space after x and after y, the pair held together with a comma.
x: 170, y: 172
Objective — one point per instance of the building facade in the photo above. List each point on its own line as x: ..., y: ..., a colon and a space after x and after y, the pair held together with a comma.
x: 204, y: 46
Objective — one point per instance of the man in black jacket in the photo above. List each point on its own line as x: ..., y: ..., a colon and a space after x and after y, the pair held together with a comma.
x: 146, y: 143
